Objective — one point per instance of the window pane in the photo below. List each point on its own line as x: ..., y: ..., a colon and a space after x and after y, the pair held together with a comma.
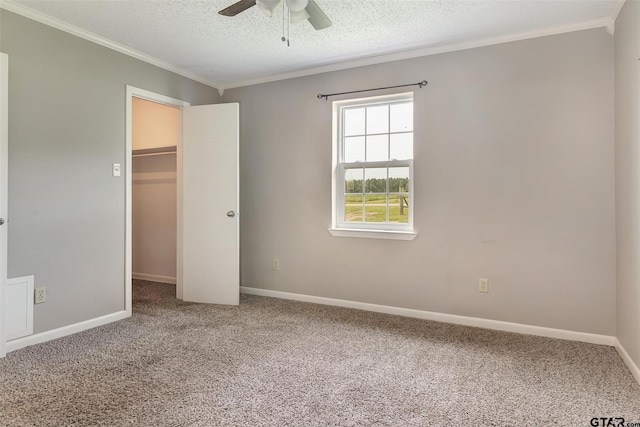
x: 375, y: 180
x: 401, y: 146
x: 375, y: 151
x: 401, y: 117
x: 354, y: 149
x: 353, y: 180
x: 399, y: 208
x: 354, y: 121
x: 353, y: 208
x: 375, y: 208
x: 377, y: 148
x: 378, y: 119
x: 399, y: 179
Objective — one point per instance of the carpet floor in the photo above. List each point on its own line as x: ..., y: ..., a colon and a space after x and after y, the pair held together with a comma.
x: 271, y: 362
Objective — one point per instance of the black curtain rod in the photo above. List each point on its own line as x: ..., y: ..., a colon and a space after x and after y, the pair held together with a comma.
x: 420, y: 84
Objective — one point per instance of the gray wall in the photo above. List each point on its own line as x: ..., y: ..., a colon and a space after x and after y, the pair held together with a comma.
x: 66, y: 128
x: 627, y: 66
x: 514, y: 157
x: 514, y: 171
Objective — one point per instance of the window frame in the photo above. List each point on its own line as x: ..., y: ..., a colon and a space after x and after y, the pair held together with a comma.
x: 342, y: 228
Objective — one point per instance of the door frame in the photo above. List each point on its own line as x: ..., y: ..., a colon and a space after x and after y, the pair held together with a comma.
x: 132, y: 92
x: 4, y: 165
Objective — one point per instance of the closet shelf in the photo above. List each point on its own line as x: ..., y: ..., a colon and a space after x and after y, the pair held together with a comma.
x: 154, y: 151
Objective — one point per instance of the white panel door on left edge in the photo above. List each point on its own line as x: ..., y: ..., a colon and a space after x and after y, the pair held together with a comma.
x: 210, y: 223
x: 4, y: 164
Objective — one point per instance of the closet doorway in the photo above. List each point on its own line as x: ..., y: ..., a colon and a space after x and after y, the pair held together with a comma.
x: 156, y: 132
x: 207, y: 242
x: 136, y: 96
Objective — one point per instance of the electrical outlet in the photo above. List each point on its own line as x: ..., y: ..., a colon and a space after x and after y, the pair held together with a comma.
x: 483, y: 285
x: 276, y: 264
x: 40, y: 295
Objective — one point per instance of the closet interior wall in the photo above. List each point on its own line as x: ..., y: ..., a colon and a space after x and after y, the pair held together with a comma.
x: 156, y: 130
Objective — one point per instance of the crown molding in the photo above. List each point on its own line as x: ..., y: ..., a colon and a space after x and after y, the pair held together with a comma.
x: 84, y: 34
x: 615, y: 10
x: 607, y: 22
x: 613, y: 15
x: 416, y: 53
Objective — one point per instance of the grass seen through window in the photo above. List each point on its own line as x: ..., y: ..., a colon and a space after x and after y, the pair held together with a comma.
x: 374, y: 208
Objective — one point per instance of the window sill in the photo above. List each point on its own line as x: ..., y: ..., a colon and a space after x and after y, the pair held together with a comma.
x: 373, y: 234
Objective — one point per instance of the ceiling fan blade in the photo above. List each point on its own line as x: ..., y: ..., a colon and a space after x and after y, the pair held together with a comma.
x: 317, y: 17
x: 238, y: 7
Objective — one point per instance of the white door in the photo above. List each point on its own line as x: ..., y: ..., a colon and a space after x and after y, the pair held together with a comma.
x: 209, y: 221
x: 4, y: 136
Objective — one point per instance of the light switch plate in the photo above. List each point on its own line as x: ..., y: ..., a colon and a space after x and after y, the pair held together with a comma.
x: 116, y: 169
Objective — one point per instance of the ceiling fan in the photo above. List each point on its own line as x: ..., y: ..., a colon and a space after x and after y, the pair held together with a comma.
x: 299, y: 10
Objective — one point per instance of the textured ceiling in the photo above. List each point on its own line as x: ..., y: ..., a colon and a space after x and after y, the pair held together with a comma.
x: 227, y: 52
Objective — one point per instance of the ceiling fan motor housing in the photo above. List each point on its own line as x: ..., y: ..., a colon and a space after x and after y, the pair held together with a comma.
x: 297, y: 5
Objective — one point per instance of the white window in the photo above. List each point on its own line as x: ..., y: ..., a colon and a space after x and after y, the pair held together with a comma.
x: 373, y: 161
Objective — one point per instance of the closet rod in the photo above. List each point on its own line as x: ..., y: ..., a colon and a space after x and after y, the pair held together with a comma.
x: 153, y: 154
x: 326, y: 96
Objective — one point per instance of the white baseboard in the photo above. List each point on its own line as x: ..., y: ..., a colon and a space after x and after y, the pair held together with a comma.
x: 154, y: 278
x: 64, y: 331
x: 441, y: 317
x: 635, y: 371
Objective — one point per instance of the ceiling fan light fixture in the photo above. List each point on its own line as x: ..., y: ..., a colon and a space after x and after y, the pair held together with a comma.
x: 296, y: 17
x: 268, y: 6
x: 297, y: 5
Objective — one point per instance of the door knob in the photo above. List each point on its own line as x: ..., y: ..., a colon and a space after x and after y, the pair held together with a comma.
x: 1, y: 221
x: 231, y: 214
